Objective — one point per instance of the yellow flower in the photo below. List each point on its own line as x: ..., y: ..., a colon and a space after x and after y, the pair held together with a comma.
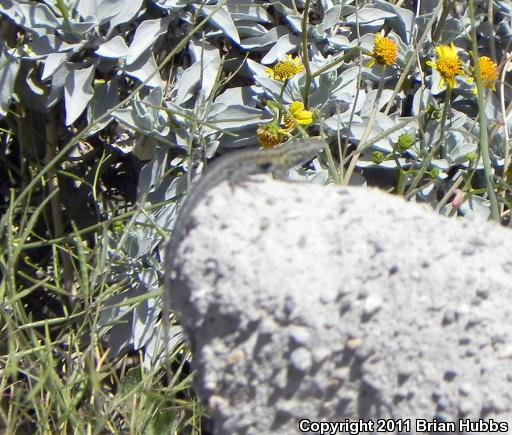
x: 286, y: 69
x: 384, y: 52
x: 488, y: 72
x: 448, y: 64
x: 271, y: 135
x: 297, y: 115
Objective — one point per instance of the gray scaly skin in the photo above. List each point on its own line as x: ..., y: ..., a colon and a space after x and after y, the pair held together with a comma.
x: 234, y: 167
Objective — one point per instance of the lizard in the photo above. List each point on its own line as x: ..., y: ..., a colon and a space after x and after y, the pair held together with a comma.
x: 234, y: 167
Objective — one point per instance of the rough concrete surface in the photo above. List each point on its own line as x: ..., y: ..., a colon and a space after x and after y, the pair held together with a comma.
x: 329, y: 304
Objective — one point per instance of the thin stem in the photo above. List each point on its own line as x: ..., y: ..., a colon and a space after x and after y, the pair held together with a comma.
x: 280, y: 106
x: 412, y: 59
x: 305, y: 54
x: 339, y: 60
x: 505, y: 125
x: 374, y: 139
x: 63, y: 9
x: 55, y: 203
x: 447, y: 7
x: 449, y: 193
x: 367, y: 130
x: 484, y: 139
x: 95, y: 227
x: 435, y: 148
x: 402, y: 175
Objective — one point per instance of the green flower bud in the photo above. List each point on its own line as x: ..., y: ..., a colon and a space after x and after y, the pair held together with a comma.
x: 118, y: 226
x: 378, y: 157
x: 433, y: 112
x: 434, y: 173
x: 471, y: 156
x: 405, y: 141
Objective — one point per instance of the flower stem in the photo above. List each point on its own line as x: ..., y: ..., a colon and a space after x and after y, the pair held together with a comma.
x: 435, y: 148
x: 305, y: 54
x: 483, y: 141
x: 447, y: 7
x: 61, y: 6
x: 367, y: 130
x: 280, y: 107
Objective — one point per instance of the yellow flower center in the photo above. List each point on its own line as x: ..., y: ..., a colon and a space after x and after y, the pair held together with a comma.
x: 289, y: 122
x: 385, y: 50
x: 270, y: 135
x: 449, y: 67
x: 488, y: 71
x: 286, y: 69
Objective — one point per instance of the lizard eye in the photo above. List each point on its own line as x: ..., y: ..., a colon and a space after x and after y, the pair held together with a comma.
x: 267, y: 167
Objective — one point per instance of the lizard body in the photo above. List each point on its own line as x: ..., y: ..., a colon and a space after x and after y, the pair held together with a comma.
x: 234, y: 167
